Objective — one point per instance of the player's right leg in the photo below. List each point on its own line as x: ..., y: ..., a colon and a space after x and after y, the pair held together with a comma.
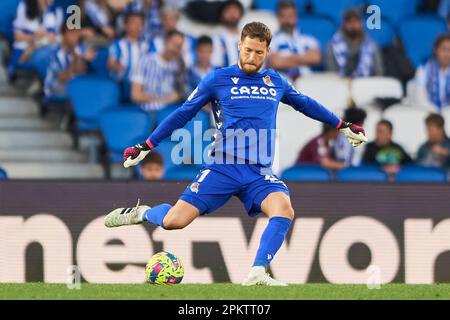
x: 163, y: 215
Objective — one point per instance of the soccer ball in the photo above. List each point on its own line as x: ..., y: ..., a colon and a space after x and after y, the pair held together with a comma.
x: 164, y: 268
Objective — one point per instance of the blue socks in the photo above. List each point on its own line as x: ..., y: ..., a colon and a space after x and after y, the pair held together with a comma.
x: 156, y: 214
x: 271, y: 240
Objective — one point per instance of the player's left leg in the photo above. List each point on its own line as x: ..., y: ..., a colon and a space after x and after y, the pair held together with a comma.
x: 277, y: 206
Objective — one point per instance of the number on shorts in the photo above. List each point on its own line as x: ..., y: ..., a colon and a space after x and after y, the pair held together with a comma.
x: 203, y: 175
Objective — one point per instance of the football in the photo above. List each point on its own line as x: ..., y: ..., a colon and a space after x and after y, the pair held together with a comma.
x: 164, y: 268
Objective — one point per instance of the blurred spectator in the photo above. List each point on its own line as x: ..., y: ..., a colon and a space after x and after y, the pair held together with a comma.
x: 351, y: 52
x: 432, y: 81
x: 292, y: 52
x: 124, y: 53
x: 97, y: 21
x: 35, y: 34
x: 69, y: 60
x: 342, y: 150
x: 319, y: 150
x: 444, y: 11
x: 152, y: 167
x: 436, y: 151
x: 225, y: 42
x: 158, y: 80
x: 202, y: 65
x: 384, y: 151
x: 151, y: 9
x: 169, y: 20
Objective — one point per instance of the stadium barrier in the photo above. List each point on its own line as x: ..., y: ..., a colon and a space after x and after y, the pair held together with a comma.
x: 343, y: 233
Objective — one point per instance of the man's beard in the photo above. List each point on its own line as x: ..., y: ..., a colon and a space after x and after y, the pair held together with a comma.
x: 231, y: 23
x: 288, y: 28
x: 254, y: 68
x: 354, y: 34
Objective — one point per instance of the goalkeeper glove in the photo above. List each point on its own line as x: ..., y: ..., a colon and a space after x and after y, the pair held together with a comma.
x: 354, y: 133
x: 133, y: 155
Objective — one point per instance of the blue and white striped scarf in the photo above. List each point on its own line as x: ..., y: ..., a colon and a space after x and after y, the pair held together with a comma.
x: 433, y: 86
x: 365, y: 64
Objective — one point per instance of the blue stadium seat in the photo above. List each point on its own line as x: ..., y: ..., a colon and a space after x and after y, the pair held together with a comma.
x: 3, y: 175
x: 182, y: 172
x: 334, y: 9
x: 266, y: 5
x: 115, y: 125
x: 165, y: 150
x: 396, y: 10
x: 418, y: 34
x: 306, y: 172
x: 413, y: 173
x: 384, y: 36
x: 165, y: 112
x: 8, y: 10
x: 321, y: 27
x: 99, y: 66
x: 364, y: 173
x: 90, y: 97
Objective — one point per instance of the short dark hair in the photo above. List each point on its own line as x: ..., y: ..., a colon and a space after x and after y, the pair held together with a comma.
x: 257, y: 30
x: 438, y: 41
x: 352, y: 13
x: 65, y: 28
x: 435, y: 119
x: 355, y: 115
x: 173, y: 33
x: 204, y: 39
x: 230, y: 3
x: 153, y: 157
x: 386, y: 123
x: 286, y: 4
x: 131, y: 14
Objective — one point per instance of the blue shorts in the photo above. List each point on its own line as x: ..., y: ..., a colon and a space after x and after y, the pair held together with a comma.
x: 215, y: 184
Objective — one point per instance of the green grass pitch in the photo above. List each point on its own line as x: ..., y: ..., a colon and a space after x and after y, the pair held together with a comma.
x: 223, y: 291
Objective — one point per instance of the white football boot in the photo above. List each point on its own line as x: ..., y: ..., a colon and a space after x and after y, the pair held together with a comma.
x: 259, y: 277
x: 126, y: 216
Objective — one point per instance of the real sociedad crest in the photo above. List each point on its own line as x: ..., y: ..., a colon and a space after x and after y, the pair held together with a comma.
x: 267, y: 81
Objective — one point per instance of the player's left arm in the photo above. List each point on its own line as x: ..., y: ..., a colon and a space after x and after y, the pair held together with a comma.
x: 313, y: 109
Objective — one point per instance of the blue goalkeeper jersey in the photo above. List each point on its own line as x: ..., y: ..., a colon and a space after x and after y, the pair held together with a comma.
x: 245, y: 109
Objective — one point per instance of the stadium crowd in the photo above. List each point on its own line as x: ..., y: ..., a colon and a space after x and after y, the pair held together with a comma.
x: 137, y: 44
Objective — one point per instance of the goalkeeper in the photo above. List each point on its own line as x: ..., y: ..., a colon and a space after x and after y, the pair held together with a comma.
x: 244, y: 99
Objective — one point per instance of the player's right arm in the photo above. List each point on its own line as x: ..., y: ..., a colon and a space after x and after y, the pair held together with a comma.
x: 178, y: 119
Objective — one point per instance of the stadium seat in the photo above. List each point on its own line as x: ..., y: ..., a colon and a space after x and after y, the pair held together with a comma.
x: 99, y: 66
x: 266, y: 5
x: 320, y: 88
x: 294, y: 130
x: 321, y: 27
x: 194, y: 28
x: 397, y: 10
x: 8, y: 10
x: 365, y: 90
x: 267, y: 16
x: 3, y: 175
x: 414, y: 173
x: 383, y: 36
x: 306, y: 172
x: 90, y: 97
x: 409, y: 126
x: 114, y: 124
x: 363, y: 173
x: 334, y: 9
x: 374, y: 115
x: 165, y: 112
x: 182, y: 172
x: 418, y: 34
